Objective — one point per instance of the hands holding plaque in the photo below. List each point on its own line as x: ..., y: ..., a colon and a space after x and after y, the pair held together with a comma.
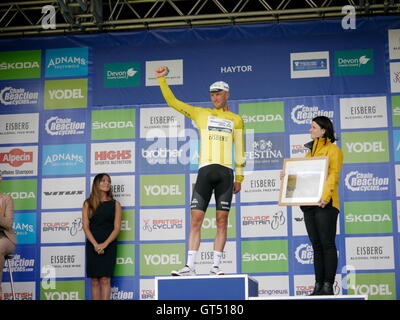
x: 303, y: 181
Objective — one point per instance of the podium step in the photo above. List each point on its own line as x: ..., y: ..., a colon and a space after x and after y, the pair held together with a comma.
x: 338, y: 297
x: 226, y: 287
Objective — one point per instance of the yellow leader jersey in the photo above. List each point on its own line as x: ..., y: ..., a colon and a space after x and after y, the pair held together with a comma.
x: 219, y: 130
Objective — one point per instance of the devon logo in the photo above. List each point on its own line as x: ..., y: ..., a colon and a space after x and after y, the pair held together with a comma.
x: 354, y: 62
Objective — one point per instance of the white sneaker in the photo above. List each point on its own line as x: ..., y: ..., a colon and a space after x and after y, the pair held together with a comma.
x: 185, y: 271
x: 216, y: 271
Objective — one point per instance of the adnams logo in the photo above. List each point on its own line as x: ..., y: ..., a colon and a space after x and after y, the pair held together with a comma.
x: 64, y: 159
x: 66, y: 62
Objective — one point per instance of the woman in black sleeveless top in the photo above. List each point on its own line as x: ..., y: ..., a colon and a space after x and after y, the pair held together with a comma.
x: 101, y: 215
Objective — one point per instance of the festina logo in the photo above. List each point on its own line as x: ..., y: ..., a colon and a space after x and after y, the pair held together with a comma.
x: 16, y: 157
x: 63, y: 193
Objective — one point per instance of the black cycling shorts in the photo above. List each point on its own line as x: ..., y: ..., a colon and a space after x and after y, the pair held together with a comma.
x: 217, y: 178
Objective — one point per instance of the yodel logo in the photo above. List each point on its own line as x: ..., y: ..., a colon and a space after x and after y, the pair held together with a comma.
x: 362, y: 182
x: 62, y: 295
x: 57, y: 126
x: 162, y: 190
x: 162, y: 259
x: 372, y: 289
x: 14, y: 96
x: 358, y: 147
x: 302, y: 114
x: 62, y: 94
x: 16, y: 157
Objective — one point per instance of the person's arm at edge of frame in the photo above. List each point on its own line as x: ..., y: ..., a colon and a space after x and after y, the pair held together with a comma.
x: 240, y: 160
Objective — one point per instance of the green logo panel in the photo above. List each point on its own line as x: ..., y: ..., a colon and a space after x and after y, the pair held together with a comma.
x: 65, y: 94
x: 162, y: 190
x: 122, y: 75
x: 354, y: 62
x: 263, y: 117
x: 23, y: 192
x: 62, y: 290
x: 366, y: 146
x: 20, y: 64
x: 127, y: 226
x: 368, y: 217
x: 265, y: 256
x: 396, y: 111
x: 377, y: 286
x: 125, y: 265
x: 113, y: 124
x: 161, y: 258
x: 209, y: 227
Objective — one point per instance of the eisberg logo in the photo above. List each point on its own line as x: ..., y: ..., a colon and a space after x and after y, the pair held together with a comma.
x: 362, y: 182
x: 17, y: 96
x: 16, y: 157
x: 57, y: 126
x: 304, y: 254
x: 302, y: 114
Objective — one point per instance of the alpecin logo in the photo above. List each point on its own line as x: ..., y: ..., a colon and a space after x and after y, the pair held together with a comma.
x: 16, y: 157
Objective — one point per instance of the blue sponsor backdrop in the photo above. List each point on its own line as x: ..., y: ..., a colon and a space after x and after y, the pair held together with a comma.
x: 255, y: 61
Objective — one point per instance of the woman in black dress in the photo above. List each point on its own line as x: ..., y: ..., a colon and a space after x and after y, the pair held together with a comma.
x: 101, y: 215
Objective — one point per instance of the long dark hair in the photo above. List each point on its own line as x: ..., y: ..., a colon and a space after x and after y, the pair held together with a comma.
x: 326, y: 123
x: 94, y: 199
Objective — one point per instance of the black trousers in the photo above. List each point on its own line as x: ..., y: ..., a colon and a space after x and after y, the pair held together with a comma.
x: 321, y: 228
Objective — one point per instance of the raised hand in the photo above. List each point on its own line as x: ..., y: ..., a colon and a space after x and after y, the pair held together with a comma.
x: 161, y: 71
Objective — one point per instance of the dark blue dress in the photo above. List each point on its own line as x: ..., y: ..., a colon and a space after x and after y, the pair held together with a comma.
x: 101, y: 225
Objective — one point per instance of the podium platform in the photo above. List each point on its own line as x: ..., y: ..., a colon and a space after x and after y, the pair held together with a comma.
x: 338, y: 297
x: 226, y: 287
